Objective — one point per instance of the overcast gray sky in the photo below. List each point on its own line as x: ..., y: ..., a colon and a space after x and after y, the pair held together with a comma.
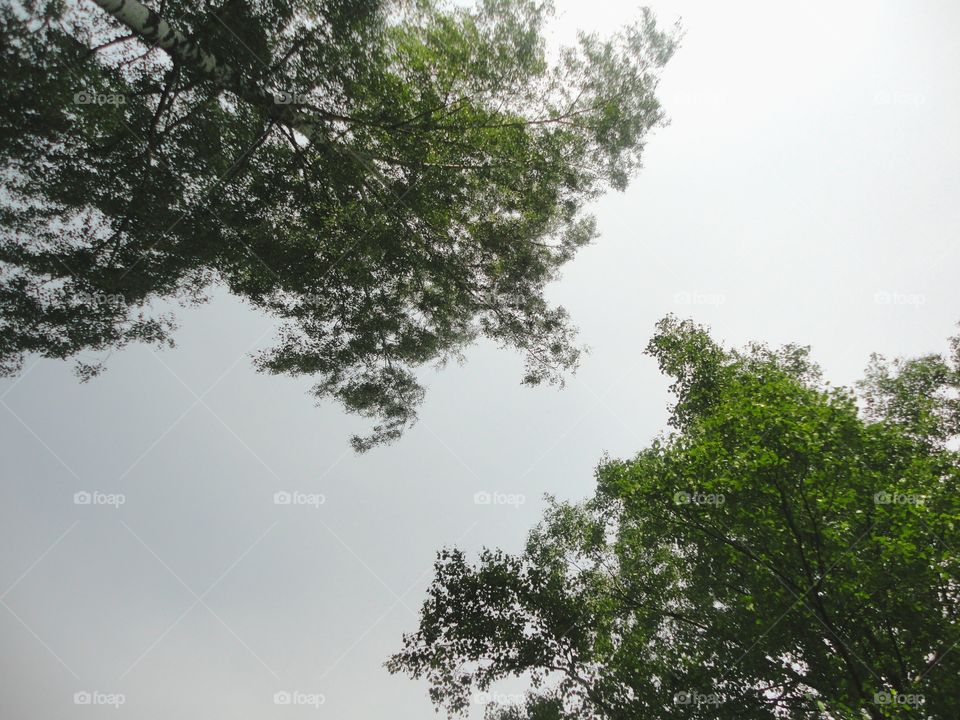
x: 807, y: 190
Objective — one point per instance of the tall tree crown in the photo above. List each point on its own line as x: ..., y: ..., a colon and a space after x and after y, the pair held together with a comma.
x: 390, y: 179
x: 790, y: 551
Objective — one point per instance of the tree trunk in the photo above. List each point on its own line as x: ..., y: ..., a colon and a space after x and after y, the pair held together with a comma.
x: 154, y: 30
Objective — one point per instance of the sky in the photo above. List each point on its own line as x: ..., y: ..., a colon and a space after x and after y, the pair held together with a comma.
x: 806, y: 190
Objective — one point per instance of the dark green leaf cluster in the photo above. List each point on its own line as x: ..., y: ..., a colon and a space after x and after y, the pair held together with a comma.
x: 389, y: 180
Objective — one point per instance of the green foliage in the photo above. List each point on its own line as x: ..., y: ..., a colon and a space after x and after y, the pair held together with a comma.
x: 782, y: 554
x: 418, y: 178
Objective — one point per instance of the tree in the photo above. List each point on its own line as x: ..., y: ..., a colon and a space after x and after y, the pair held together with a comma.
x: 788, y: 550
x: 391, y: 180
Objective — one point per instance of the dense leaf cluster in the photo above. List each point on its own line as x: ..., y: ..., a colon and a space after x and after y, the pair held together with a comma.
x: 791, y: 550
x: 389, y: 179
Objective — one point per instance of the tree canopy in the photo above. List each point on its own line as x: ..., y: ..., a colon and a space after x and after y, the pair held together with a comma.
x: 789, y: 549
x: 391, y: 180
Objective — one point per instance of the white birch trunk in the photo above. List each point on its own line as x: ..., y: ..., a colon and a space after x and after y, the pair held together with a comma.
x: 154, y: 30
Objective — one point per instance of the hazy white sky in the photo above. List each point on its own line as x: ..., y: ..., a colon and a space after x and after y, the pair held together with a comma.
x: 807, y: 190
